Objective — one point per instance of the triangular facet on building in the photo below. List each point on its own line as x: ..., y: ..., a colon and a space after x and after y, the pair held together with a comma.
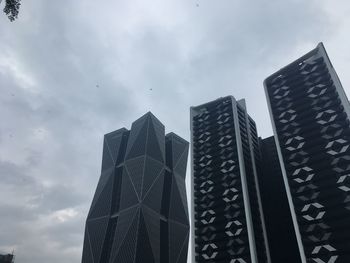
x: 137, y: 140
x: 136, y: 168
x: 128, y: 196
x: 153, y: 144
x: 128, y: 218
x: 97, y: 233
x: 102, y: 206
x: 152, y: 198
x: 125, y: 222
x: 144, y: 252
x: 152, y: 171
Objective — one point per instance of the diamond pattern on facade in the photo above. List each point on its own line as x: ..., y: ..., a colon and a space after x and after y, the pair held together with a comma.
x: 315, y: 179
x: 225, y: 158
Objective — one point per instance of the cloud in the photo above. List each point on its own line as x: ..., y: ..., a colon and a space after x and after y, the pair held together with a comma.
x: 71, y: 72
x: 34, y: 215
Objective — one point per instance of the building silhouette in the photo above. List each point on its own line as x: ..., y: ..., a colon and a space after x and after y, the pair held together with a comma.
x: 139, y: 211
x: 279, y: 225
x: 227, y: 219
x: 310, y: 116
x: 7, y: 258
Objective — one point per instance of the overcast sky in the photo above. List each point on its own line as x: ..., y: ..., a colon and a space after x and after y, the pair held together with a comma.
x: 71, y: 71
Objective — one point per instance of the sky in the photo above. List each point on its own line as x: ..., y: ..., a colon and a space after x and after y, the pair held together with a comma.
x: 72, y: 71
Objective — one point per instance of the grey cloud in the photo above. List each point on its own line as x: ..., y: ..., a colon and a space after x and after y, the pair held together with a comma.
x: 43, y: 199
x: 31, y: 214
x: 71, y: 73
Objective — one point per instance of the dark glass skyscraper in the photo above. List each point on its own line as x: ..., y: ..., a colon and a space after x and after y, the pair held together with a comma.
x: 228, y: 223
x: 139, y: 212
x: 279, y: 225
x: 8, y: 258
x: 310, y: 116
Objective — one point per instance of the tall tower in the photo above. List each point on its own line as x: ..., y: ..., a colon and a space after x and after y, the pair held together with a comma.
x: 279, y: 225
x: 139, y: 211
x: 310, y: 117
x: 228, y: 223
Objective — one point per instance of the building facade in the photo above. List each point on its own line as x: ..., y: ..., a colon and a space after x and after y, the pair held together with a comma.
x: 139, y: 211
x: 227, y: 219
x: 310, y: 117
x: 279, y: 225
x: 8, y: 258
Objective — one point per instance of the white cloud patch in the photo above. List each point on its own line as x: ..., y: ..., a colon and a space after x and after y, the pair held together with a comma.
x: 64, y: 214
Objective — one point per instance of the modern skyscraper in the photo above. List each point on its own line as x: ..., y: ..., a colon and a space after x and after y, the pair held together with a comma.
x: 279, y: 225
x: 228, y: 223
x: 139, y: 212
x: 310, y: 117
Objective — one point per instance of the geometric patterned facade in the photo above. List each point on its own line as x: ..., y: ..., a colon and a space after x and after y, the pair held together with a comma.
x: 139, y: 211
x: 310, y: 116
x: 227, y: 219
x: 278, y: 220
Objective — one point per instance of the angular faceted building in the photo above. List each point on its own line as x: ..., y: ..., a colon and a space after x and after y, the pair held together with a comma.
x: 139, y: 211
x: 8, y: 258
x: 310, y: 117
x: 228, y: 223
